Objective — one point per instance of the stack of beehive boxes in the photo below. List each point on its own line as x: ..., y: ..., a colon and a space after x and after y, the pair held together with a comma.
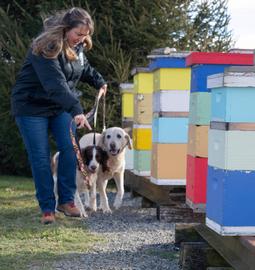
x: 142, y: 132
x: 203, y: 64
x: 171, y: 86
x: 127, y: 111
x: 127, y: 105
x: 231, y: 163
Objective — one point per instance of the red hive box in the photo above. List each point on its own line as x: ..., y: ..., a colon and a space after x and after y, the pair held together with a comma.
x: 196, y: 183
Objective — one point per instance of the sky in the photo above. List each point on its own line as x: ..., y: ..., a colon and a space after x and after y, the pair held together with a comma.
x: 242, y: 23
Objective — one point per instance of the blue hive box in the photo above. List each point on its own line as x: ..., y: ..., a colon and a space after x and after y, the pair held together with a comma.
x: 233, y: 95
x: 233, y: 104
x: 169, y: 60
x: 230, y: 208
x: 166, y: 62
x: 170, y: 130
x: 199, y: 75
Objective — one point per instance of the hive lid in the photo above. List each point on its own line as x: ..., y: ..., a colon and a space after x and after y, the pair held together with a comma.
x: 139, y: 70
x: 126, y: 87
x: 167, y: 52
x: 229, y: 78
x: 219, y: 58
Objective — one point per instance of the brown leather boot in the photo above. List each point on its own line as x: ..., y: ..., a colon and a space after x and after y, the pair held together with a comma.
x: 48, y: 218
x: 69, y: 209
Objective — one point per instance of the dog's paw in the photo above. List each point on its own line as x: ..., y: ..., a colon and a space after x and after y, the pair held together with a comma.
x: 86, y: 204
x: 93, y: 208
x: 105, y: 210
x: 117, y: 203
x: 93, y: 205
x: 84, y: 214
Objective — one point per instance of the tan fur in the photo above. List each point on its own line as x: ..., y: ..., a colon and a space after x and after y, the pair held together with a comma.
x: 116, y: 164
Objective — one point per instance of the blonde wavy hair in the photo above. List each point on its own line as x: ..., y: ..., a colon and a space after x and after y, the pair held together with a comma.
x: 51, y: 42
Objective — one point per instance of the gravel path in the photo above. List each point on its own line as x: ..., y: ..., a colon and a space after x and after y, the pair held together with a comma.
x: 134, y: 240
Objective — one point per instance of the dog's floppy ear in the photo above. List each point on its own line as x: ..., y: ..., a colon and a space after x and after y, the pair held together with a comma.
x: 83, y: 154
x: 104, y: 161
x: 101, y: 141
x: 127, y: 129
x: 129, y: 141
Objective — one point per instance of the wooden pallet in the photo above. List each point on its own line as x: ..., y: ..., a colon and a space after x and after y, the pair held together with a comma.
x: 168, y: 200
x: 239, y: 252
x: 143, y: 186
x: 179, y: 213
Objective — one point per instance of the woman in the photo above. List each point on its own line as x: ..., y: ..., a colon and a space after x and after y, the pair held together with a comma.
x: 44, y: 99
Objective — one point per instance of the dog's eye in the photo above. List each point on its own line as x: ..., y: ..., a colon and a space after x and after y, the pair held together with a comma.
x: 118, y: 136
x: 108, y: 136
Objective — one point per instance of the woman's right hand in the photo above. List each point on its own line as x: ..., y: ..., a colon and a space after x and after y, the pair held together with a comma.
x: 81, y: 121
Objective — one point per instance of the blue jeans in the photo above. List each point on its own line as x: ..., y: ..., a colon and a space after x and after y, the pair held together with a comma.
x: 35, y: 134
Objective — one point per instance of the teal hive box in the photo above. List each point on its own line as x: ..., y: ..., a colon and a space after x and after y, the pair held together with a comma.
x: 142, y: 162
x: 200, y: 108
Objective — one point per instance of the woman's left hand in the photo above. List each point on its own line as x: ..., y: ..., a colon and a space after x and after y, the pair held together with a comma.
x: 102, y: 91
x: 81, y: 121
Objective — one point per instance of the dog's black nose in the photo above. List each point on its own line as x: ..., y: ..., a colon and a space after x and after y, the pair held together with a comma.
x: 93, y: 168
x: 112, y: 145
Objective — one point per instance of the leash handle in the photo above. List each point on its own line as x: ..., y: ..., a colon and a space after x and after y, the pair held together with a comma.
x: 93, y: 115
x: 79, y: 158
x: 95, y: 119
x: 96, y: 110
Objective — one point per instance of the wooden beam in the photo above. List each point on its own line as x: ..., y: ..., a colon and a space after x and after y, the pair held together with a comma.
x: 219, y: 268
x: 185, y: 232
x: 143, y: 186
x: 199, y: 256
x: 180, y: 213
x: 235, y: 250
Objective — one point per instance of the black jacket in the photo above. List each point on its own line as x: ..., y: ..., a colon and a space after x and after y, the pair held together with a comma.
x: 46, y: 87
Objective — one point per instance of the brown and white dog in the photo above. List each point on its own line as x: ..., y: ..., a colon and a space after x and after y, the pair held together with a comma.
x: 94, y: 158
x: 114, y: 141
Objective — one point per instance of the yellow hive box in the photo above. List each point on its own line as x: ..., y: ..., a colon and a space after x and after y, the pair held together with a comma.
x: 143, y: 109
x: 142, y: 137
x: 127, y: 105
x: 171, y: 79
x: 143, y: 80
x: 127, y: 97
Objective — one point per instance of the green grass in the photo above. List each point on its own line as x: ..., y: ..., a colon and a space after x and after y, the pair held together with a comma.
x: 24, y: 241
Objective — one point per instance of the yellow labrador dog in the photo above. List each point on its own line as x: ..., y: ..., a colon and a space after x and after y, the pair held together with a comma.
x: 114, y: 141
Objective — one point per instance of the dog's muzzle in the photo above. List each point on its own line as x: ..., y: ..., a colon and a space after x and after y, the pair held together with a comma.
x: 113, y: 150
x: 92, y: 169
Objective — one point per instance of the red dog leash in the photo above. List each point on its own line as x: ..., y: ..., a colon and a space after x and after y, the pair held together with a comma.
x: 90, y: 115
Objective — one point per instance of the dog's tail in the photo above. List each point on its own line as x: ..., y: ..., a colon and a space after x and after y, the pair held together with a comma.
x: 54, y: 164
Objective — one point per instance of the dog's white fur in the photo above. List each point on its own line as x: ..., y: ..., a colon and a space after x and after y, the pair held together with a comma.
x: 80, y: 184
x: 114, y: 141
